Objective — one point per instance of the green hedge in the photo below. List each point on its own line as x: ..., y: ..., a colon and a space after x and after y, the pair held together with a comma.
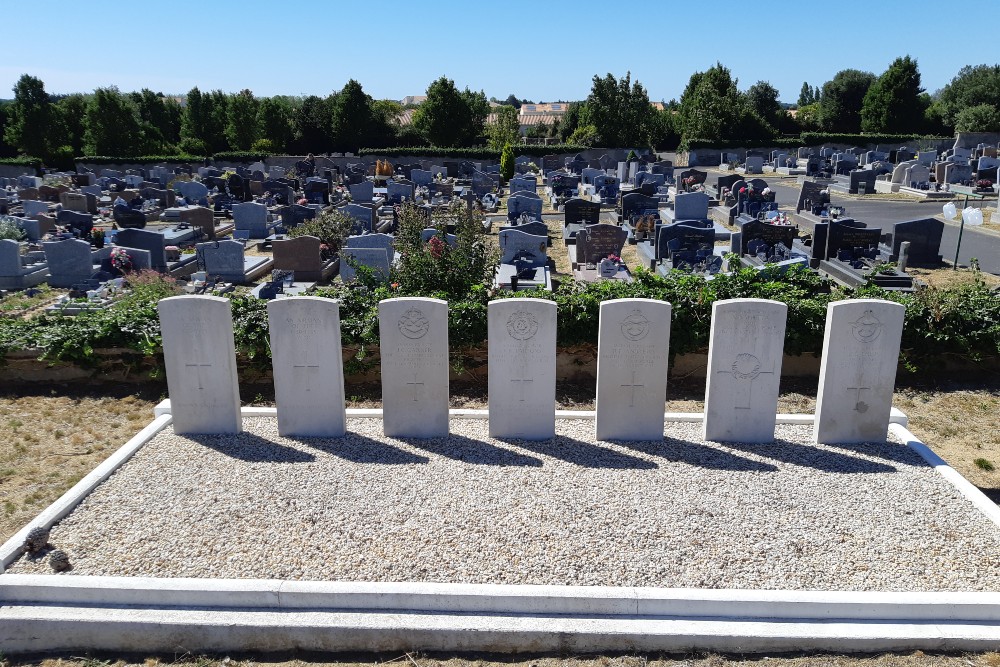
x: 811, y: 139
x: 959, y: 322
x: 23, y: 161
x: 241, y: 156
x: 471, y: 153
x: 141, y: 159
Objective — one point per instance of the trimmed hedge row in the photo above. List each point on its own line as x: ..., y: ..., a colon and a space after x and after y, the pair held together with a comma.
x: 24, y: 161
x: 812, y: 139
x: 141, y: 159
x: 482, y: 153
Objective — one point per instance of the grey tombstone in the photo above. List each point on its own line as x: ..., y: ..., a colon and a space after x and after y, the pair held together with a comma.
x: 308, y: 367
x: 754, y: 164
x: 362, y: 192
x: 521, y: 204
x: 858, y: 372
x: 193, y: 191
x: 365, y: 215
x: 33, y: 207
x: 429, y: 232
x: 224, y: 259
x: 421, y: 177
x: 384, y: 241
x: 397, y: 193
x: 413, y: 334
x: 632, y: 355
x: 70, y: 262
x: 956, y: 173
x: 744, y: 368
x: 251, y: 217
x: 522, y: 368
x: 200, y: 358
x: 517, y: 244
x: 375, y: 258
x: 691, y: 206
x: 146, y: 240
x: 523, y: 184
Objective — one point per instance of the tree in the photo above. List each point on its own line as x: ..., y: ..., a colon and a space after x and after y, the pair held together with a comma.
x: 385, y: 123
x: 841, y: 101
x: 449, y: 117
x: 113, y: 125
x: 665, y: 135
x: 807, y: 117
x: 69, y: 112
x: 312, y: 123
x: 762, y: 99
x: 807, y: 95
x: 241, y: 126
x: 507, y: 162
x: 980, y: 118
x: 196, y: 119
x: 218, y: 120
x: 972, y: 86
x: 30, y: 124
x: 274, y: 119
x: 711, y: 106
x: 352, y: 122
x: 570, y: 120
x: 892, y: 103
x: 620, y: 111
x: 506, y: 129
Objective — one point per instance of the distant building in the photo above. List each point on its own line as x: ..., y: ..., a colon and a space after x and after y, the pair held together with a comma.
x: 413, y: 99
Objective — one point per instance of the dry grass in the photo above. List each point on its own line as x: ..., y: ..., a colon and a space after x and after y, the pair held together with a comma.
x: 948, y: 277
x: 420, y: 659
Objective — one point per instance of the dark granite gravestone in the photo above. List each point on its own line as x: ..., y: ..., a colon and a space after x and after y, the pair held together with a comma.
x: 580, y: 211
x: 294, y: 215
x: 843, y: 238
x: 523, y: 203
x: 770, y: 235
x: 563, y: 183
x: 699, y: 178
x: 726, y: 181
x: 672, y: 238
x: 634, y: 203
x: 865, y: 177
x: 809, y: 196
x: 595, y: 242
x: 483, y: 183
x: 924, y: 236
x: 819, y: 238
x: 364, y: 215
x: 144, y: 239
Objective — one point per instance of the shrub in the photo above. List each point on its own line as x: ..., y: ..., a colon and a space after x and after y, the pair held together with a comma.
x: 192, y: 146
x: 9, y: 229
x: 241, y: 156
x: 469, y: 153
x: 331, y: 228
x: 507, y: 162
x: 265, y: 146
x: 140, y: 159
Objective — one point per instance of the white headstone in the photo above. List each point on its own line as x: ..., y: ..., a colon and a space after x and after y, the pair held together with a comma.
x: 200, y: 357
x: 858, y: 373
x: 308, y: 368
x: 744, y: 368
x: 522, y: 368
x: 632, y: 350
x: 414, y: 348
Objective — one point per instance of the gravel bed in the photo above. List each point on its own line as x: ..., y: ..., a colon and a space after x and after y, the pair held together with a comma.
x: 678, y: 513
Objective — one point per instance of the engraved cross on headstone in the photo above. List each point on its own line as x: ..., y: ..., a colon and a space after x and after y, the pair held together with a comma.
x: 414, y: 386
x: 859, y: 405
x: 745, y: 369
x: 198, y: 372
x: 314, y: 367
x: 632, y: 387
x: 521, y: 385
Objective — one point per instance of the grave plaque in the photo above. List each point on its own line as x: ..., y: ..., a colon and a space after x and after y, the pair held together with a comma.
x: 200, y: 358
x: 595, y: 242
x: 581, y: 211
x: 632, y: 354
x: 522, y: 368
x: 757, y: 230
x: 842, y: 236
x: 308, y: 369
x: 744, y: 366
x: 858, y: 373
x: 413, y: 335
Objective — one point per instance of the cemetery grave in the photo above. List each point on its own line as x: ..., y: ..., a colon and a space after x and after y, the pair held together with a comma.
x: 308, y: 493
x: 853, y: 254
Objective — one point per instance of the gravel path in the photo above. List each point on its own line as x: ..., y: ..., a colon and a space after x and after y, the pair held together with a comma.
x: 681, y: 513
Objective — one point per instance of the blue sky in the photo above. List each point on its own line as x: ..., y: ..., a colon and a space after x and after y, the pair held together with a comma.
x: 544, y: 50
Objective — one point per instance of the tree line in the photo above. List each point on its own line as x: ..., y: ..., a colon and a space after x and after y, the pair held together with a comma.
x: 617, y: 113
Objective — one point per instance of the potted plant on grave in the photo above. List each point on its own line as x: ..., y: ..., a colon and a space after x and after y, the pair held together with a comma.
x: 121, y: 261
x: 984, y: 185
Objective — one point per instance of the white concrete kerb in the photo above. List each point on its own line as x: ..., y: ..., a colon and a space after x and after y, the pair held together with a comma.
x: 65, y: 612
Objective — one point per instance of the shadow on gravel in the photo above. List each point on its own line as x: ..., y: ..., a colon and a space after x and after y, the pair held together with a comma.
x: 252, y: 448
x: 477, y: 452
x: 582, y: 453
x: 359, y: 449
x: 888, y: 451
x: 811, y: 457
x: 696, y: 454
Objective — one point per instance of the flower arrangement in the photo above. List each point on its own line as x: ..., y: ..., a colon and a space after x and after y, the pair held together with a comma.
x: 120, y: 260
x: 615, y: 258
x: 984, y: 184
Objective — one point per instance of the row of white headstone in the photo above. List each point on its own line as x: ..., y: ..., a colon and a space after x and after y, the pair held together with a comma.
x: 857, y: 376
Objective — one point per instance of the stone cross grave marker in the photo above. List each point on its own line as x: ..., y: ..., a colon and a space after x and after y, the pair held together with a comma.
x: 308, y: 369
x: 414, y: 348
x: 744, y: 367
x: 522, y: 368
x: 200, y: 357
x: 858, y: 372
x: 632, y: 347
